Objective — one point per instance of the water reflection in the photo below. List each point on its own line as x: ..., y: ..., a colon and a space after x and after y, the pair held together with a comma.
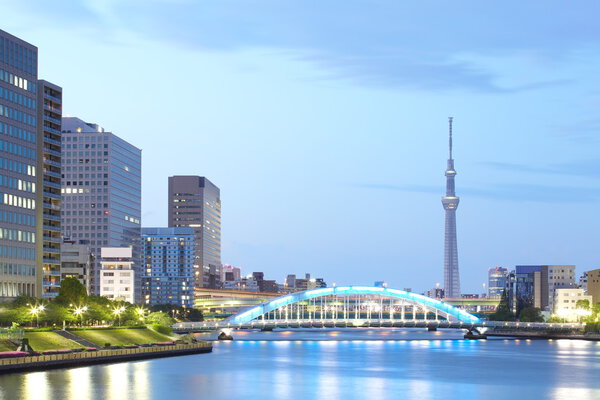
x: 341, y: 365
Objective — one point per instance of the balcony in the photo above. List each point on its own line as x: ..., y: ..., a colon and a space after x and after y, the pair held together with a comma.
x: 53, y: 174
x: 51, y: 217
x: 51, y: 239
x: 48, y: 139
x: 52, y: 184
x: 53, y: 98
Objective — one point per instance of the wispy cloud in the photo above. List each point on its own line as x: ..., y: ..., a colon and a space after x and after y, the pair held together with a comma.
x: 510, y: 192
x: 381, y: 43
x: 582, y: 168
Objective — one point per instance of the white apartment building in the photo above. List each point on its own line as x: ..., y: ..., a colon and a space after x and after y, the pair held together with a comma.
x: 565, y: 303
x: 117, y: 277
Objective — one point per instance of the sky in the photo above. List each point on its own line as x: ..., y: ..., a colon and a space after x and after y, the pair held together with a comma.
x: 324, y: 123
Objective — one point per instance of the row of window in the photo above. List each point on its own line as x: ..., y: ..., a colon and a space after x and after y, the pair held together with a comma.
x: 18, y: 81
x: 86, y: 146
x: 17, y: 235
x: 86, y: 176
x: 85, y: 153
x: 90, y: 228
x: 17, y: 218
x: 17, y: 201
x: 17, y: 98
x: 86, y: 161
x: 17, y: 149
x: 17, y: 252
x: 18, y: 133
x: 88, y: 235
x: 17, y: 115
x: 94, y: 137
x: 86, y: 220
x: 17, y: 166
x: 17, y: 269
x: 15, y: 183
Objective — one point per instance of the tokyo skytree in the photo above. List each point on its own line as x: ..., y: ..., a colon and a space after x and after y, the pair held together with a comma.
x: 450, y: 202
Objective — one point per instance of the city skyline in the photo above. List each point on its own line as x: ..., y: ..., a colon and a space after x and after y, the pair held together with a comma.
x: 299, y: 121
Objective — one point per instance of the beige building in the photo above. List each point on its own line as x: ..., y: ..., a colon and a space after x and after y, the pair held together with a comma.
x: 593, y: 285
x: 117, y: 277
x: 565, y: 303
x: 76, y: 262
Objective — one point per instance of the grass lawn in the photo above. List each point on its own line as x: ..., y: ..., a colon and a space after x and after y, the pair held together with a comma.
x: 6, y: 345
x: 41, y: 341
x: 121, y: 336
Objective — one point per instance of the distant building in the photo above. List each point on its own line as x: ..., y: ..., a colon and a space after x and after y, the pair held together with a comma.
x: 583, y: 280
x: 497, y: 280
x: 101, y: 190
x: 247, y: 284
x: 230, y: 273
x: 117, y: 275
x: 593, y: 285
x: 195, y: 202
x: 76, y: 262
x: 300, y: 284
x: 565, y: 304
x: 435, y: 293
x: 168, y: 266
x: 534, y: 285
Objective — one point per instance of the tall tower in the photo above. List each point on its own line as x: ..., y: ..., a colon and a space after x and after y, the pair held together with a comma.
x: 450, y: 202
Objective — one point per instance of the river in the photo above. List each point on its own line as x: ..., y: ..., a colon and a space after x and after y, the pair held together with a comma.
x: 347, y: 364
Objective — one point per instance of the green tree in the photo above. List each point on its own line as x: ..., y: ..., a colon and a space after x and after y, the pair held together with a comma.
x: 71, y: 292
x: 503, y: 313
x: 583, y: 304
x: 531, y: 314
x: 160, y: 318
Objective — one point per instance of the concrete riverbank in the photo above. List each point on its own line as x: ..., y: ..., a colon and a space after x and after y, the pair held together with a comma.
x: 69, y: 360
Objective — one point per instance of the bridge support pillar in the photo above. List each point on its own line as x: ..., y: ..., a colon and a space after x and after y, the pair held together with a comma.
x: 224, y: 336
x: 474, y: 334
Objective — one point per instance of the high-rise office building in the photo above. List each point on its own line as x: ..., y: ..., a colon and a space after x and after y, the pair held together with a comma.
x: 168, y: 266
x: 497, y: 280
x: 19, y: 272
x: 195, y: 202
x: 450, y: 202
x: 101, y: 192
x: 49, y: 102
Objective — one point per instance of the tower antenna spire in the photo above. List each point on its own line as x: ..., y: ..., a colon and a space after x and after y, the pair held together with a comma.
x: 450, y: 137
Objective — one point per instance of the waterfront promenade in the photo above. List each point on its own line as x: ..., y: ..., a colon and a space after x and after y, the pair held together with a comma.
x: 78, y: 359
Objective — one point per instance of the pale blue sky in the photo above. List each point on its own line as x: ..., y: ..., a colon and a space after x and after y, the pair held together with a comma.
x: 324, y: 123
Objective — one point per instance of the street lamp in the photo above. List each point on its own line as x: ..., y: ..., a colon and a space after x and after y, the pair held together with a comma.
x: 35, y: 311
x: 79, y: 312
x: 141, y: 312
x: 118, y: 311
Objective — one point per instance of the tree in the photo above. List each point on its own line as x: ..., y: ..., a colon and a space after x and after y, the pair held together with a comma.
x: 503, y: 313
x: 160, y: 318
x: 583, y: 304
x: 71, y: 292
x: 531, y: 314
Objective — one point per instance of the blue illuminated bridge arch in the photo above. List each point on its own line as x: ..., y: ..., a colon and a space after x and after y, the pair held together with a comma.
x: 424, y: 302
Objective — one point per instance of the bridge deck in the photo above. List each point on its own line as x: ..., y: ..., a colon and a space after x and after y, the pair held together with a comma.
x: 375, y: 323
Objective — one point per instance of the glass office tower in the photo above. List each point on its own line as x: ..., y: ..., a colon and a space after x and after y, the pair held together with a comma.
x: 18, y: 169
x: 101, y: 192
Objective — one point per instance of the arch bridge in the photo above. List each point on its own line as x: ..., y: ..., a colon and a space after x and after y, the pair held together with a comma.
x: 345, y: 306
x: 366, y: 307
